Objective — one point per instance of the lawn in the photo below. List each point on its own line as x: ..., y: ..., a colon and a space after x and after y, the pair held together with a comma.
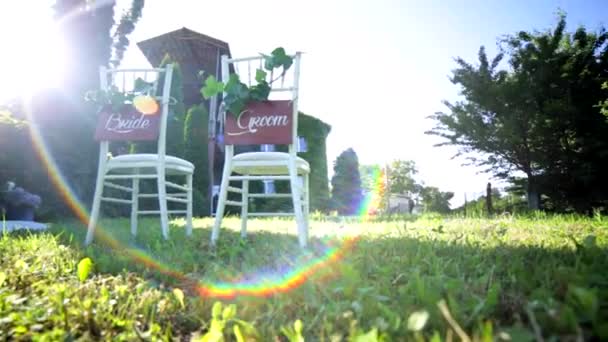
x: 414, y: 278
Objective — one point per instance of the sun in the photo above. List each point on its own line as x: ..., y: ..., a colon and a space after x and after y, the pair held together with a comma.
x: 32, y: 53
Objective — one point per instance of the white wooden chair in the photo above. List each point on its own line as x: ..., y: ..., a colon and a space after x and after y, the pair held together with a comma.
x: 279, y: 127
x: 131, y: 168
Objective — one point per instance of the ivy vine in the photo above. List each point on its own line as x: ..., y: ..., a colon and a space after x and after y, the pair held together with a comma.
x: 238, y: 94
x: 116, y: 98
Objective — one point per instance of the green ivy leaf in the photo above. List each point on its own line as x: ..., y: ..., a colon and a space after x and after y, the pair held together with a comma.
x: 212, y: 87
x: 260, y: 75
x: 260, y: 92
x: 84, y: 268
x: 236, y: 87
x: 281, y: 58
x: 236, y: 108
x: 142, y: 86
x: 278, y: 58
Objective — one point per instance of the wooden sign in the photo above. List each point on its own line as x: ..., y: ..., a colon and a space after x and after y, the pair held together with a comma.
x: 126, y: 124
x: 268, y: 122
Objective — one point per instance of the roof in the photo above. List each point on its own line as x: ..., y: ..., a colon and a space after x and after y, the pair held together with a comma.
x: 192, y: 50
x: 181, y: 44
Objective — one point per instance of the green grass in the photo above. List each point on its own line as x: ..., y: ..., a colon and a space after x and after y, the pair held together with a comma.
x: 428, y: 278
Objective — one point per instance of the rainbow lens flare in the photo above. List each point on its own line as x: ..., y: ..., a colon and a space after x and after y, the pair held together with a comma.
x: 258, y: 284
x: 372, y: 200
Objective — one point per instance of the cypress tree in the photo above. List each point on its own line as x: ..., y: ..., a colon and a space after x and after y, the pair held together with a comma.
x: 195, y: 143
x: 346, y: 189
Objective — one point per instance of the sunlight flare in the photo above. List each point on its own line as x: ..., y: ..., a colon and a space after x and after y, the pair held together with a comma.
x: 33, y: 56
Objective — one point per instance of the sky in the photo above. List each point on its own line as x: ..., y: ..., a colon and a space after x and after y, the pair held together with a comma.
x: 373, y: 70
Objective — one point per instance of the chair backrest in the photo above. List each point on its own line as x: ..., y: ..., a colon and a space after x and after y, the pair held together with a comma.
x: 272, y: 122
x: 143, y: 119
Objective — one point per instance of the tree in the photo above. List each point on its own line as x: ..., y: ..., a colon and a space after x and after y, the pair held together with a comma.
x: 86, y: 27
x: 124, y: 28
x: 346, y: 190
x: 195, y: 137
x: 538, y: 116
x: 401, y: 178
x: 434, y: 200
x: 604, y: 104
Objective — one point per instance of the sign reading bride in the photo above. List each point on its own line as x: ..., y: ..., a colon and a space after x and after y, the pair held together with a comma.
x: 267, y: 122
x: 127, y: 123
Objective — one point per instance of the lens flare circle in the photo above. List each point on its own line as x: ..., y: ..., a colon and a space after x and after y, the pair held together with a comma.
x: 146, y: 104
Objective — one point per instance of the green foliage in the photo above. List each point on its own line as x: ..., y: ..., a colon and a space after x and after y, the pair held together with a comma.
x: 510, y: 202
x: 293, y: 334
x: 196, y: 151
x: 124, y: 28
x: 277, y: 59
x: 401, y: 179
x: 89, y: 44
x: 237, y: 94
x: 434, y: 200
x: 315, y: 132
x: 116, y: 98
x: 42, y: 298
x: 223, y: 317
x: 14, y: 158
x: 507, y: 277
x: 536, y: 115
x: 212, y: 87
x: 346, y: 192
x: 604, y: 104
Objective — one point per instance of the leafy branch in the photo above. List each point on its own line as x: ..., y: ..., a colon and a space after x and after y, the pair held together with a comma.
x: 238, y: 94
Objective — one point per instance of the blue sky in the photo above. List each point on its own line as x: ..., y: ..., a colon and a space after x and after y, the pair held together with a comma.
x: 374, y: 70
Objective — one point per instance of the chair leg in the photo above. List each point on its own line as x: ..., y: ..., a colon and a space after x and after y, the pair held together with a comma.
x: 134, y: 205
x: 244, y: 208
x: 95, y: 207
x: 162, y: 203
x: 221, y: 201
x: 189, y: 205
x: 296, y: 195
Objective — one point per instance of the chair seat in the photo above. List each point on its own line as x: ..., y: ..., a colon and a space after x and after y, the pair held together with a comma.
x: 146, y: 163
x: 266, y: 163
